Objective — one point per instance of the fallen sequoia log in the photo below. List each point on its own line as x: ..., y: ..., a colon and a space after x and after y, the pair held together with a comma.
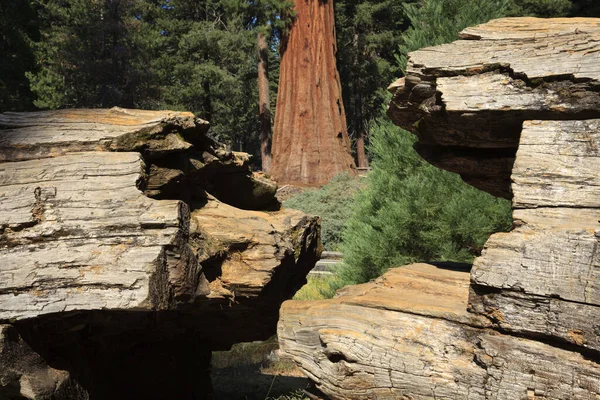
x: 124, y: 258
x: 513, y: 108
x: 466, y: 101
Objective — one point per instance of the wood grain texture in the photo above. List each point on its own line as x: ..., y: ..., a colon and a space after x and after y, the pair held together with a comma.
x: 43, y: 134
x: 394, y: 348
x: 471, y: 97
x: 513, y: 108
x: 542, y: 278
x: 124, y: 258
x: 78, y: 235
x: 557, y: 165
x: 245, y: 251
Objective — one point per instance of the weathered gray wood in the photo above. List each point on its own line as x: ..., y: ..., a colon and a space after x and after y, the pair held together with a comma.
x: 536, y: 316
x: 516, y: 104
x: 543, y: 277
x: 476, y: 93
x: 538, y: 48
x: 400, y: 337
x: 557, y: 165
x: 25, y: 136
x: 78, y: 235
x: 121, y: 261
x: 551, y: 263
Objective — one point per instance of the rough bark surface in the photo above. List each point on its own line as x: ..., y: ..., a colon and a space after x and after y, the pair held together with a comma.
x: 310, y: 142
x: 513, y: 108
x: 119, y: 232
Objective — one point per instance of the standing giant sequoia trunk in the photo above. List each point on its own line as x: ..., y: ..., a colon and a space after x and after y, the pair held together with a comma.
x: 310, y: 143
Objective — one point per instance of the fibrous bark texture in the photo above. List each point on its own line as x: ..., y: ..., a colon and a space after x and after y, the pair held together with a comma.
x: 310, y: 139
x: 511, y: 108
x: 124, y: 258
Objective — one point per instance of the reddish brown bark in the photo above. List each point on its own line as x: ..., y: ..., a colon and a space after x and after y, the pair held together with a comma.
x: 264, y: 102
x: 310, y: 140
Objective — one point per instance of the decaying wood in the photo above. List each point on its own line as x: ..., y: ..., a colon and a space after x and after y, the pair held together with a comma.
x: 78, y: 234
x: 36, y: 379
x: 467, y: 100
x: 119, y: 231
x: 310, y: 138
x: 245, y: 251
x: 542, y: 278
x: 408, y: 335
x: 514, y: 109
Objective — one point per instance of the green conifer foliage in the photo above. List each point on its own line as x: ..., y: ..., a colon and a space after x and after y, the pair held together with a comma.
x: 18, y: 33
x: 411, y: 211
x: 84, y: 55
x: 436, y: 22
x: 367, y: 36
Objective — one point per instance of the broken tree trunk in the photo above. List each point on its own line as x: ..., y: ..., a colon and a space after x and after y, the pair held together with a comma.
x: 514, y: 109
x: 310, y: 142
x: 124, y: 260
x: 466, y: 101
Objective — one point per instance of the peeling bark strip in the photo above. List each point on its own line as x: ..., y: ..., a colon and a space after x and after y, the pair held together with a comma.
x: 516, y: 104
x: 310, y: 142
x: 466, y: 101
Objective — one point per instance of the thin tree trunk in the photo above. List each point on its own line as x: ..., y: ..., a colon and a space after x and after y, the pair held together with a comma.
x: 359, y: 125
x: 264, y: 102
x: 310, y: 141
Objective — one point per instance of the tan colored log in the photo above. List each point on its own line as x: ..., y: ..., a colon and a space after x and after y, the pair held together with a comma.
x: 542, y: 278
x: 244, y: 251
x: 44, y: 134
x: 78, y: 235
x: 468, y: 99
x: 558, y: 165
x: 407, y: 335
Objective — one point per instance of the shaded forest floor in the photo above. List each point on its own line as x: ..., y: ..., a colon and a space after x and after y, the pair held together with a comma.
x: 253, y: 371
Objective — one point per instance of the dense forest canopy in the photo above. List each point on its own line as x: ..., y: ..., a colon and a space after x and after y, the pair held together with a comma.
x: 202, y: 55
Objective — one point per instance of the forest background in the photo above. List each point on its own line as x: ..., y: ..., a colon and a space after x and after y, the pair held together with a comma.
x: 203, y: 56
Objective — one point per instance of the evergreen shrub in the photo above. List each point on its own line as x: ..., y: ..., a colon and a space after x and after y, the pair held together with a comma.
x: 333, y: 203
x: 411, y: 211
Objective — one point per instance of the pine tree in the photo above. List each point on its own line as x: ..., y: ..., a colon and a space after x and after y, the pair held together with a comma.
x: 18, y: 33
x: 414, y: 212
x: 84, y: 55
x: 411, y: 211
